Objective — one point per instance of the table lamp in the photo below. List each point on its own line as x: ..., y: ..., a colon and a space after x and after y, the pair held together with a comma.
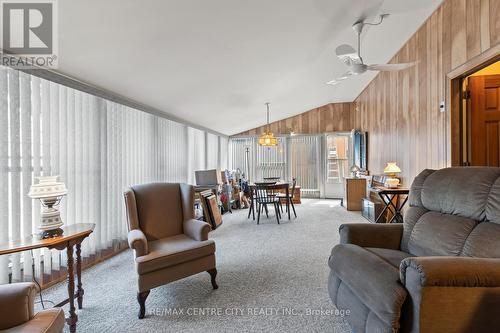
x: 50, y: 192
x: 391, y: 170
x: 354, y: 171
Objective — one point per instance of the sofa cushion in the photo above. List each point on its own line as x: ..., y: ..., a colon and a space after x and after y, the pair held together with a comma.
x: 459, y: 191
x: 412, y: 216
x: 372, y: 279
x: 483, y: 241
x: 437, y: 234
x: 46, y: 321
x: 393, y: 257
x: 172, y: 251
x: 493, y: 204
x: 415, y: 196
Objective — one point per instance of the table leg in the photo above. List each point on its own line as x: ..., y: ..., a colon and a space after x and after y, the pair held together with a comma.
x: 73, y: 318
x: 398, y: 216
x: 386, y: 207
x: 288, y: 201
x: 79, y: 289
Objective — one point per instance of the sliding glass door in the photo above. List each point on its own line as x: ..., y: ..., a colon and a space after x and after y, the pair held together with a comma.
x: 337, y: 154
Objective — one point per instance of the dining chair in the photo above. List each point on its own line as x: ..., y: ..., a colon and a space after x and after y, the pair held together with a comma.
x: 267, y: 195
x: 290, y: 197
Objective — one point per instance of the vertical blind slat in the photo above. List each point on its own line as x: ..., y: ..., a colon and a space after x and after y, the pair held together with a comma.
x: 4, y: 174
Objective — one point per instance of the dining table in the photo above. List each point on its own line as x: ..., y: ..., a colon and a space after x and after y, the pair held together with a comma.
x: 271, y: 185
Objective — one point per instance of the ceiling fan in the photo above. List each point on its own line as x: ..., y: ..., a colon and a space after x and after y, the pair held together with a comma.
x: 352, y: 58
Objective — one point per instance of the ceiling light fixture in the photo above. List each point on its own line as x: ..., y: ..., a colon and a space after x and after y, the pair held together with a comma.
x: 268, y: 139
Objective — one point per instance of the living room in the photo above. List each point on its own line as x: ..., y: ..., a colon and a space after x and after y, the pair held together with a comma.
x: 220, y: 166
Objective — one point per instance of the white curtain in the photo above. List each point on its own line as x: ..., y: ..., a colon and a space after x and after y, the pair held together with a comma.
x: 294, y: 157
x: 98, y: 148
x: 212, y: 151
x: 223, y: 153
x: 196, y: 153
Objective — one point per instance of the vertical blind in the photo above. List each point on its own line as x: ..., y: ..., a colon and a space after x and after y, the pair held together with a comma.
x: 271, y: 161
x: 98, y: 148
x: 237, y: 147
x: 304, y: 163
x: 294, y: 157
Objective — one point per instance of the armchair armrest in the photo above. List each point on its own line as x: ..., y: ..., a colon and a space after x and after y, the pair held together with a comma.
x: 196, y: 229
x: 137, y: 241
x: 387, y: 236
x: 16, y: 300
x: 452, y: 271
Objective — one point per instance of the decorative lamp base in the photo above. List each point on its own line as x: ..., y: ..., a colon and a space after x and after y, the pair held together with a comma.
x: 51, y: 233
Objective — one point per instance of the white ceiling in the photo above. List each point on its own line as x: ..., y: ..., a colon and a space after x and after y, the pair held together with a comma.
x: 216, y: 62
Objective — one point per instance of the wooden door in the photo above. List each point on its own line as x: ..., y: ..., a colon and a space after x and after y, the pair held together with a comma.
x: 485, y: 120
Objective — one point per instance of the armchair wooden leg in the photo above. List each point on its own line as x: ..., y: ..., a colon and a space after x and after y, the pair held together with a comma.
x: 141, y: 298
x: 213, y: 274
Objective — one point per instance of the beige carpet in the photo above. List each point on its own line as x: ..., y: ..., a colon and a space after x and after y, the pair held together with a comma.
x: 272, y: 278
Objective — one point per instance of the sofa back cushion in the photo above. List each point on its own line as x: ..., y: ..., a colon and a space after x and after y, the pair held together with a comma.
x: 454, y: 211
x: 438, y: 234
x: 159, y: 209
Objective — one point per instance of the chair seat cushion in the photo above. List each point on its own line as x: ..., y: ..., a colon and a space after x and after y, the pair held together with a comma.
x: 374, y: 280
x: 172, y: 251
x: 393, y: 257
x: 46, y: 321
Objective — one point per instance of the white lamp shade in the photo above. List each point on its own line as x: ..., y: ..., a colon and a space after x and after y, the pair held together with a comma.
x: 47, y: 187
x: 392, y: 168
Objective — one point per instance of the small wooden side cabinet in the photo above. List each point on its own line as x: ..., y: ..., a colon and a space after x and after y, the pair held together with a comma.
x: 355, y: 191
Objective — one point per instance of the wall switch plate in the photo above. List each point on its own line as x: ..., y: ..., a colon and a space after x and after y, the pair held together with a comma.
x: 442, y: 107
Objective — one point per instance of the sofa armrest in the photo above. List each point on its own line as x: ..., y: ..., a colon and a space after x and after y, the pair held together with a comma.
x: 16, y: 300
x: 387, y: 236
x: 196, y: 229
x: 137, y: 241
x: 452, y: 271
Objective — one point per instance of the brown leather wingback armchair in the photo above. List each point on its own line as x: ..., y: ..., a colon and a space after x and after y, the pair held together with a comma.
x: 17, y: 311
x: 169, y: 244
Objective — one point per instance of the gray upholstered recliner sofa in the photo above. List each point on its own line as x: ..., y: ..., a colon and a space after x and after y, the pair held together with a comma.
x: 439, y: 271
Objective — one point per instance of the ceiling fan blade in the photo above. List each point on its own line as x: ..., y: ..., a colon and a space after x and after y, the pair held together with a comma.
x: 391, y: 67
x: 347, y: 54
x: 340, y: 78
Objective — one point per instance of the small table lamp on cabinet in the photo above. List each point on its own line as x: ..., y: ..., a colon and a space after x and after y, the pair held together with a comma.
x: 50, y: 192
x: 391, y: 170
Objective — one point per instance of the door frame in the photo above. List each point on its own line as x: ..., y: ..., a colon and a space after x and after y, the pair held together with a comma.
x: 324, y: 159
x: 454, y: 119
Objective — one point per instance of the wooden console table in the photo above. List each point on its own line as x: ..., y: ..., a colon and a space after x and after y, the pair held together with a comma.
x: 73, y: 235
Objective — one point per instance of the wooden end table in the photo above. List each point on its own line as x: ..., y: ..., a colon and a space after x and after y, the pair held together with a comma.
x: 388, y: 196
x: 73, y: 236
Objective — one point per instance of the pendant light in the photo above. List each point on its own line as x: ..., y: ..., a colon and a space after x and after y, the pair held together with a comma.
x: 267, y: 139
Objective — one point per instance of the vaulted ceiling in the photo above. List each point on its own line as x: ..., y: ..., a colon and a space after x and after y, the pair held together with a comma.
x: 216, y: 62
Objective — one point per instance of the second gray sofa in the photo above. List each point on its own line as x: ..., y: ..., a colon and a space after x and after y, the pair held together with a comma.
x: 439, y: 271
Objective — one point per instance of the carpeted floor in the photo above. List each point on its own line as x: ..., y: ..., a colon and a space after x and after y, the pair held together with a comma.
x: 272, y: 278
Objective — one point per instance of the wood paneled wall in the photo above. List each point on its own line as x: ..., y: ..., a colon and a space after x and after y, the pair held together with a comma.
x: 328, y: 118
x: 400, y: 110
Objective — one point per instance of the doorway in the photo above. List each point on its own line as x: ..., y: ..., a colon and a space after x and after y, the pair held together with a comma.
x: 338, y: 153
x: 480, y: 119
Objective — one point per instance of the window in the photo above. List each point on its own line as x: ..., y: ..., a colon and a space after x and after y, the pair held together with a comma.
x: 98, y: 148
